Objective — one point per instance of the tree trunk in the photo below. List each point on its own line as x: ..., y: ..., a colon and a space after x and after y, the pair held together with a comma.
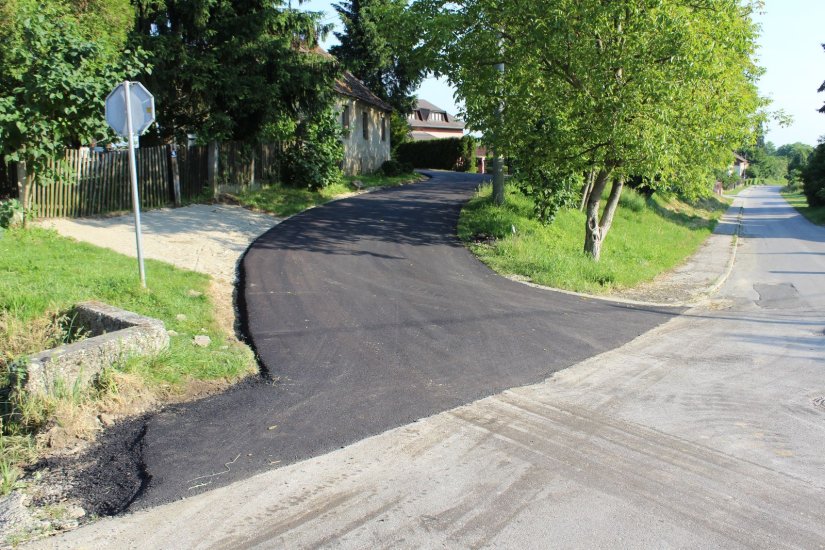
x: 587, y: 188
x: 498, y: 180
x: 610, y: 208
x: 592, y: 230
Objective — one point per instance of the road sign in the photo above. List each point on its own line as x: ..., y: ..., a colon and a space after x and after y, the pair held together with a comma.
x: 142, y: 106
x: 130, y: 109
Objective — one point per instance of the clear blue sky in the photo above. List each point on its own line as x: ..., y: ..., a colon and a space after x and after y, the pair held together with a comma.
x: 790, y: 52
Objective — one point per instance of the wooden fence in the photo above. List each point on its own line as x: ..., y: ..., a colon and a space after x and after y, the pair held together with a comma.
x: 85, y: 183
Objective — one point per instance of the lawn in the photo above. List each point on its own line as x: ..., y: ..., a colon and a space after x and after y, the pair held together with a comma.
x: 649, y: 236
x: 815, y: 214
x: 42, y: 275
x: 283, y: 200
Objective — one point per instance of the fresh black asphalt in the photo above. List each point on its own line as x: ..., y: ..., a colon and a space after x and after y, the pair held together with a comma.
x: 367, y: 314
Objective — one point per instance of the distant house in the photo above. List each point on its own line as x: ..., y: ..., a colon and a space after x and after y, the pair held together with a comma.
x: 740, y: 165
x: 431, y: 122
x: 366, y: 122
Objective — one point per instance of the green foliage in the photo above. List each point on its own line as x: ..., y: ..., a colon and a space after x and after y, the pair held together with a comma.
x: 443, y: 154
x: 229, y: 70
x: 661, y: 90
x: 379, y: 45
x: 313, y: 161
x: 392, y: 168
x: 797, y: 155
x: 764, y: 162
x: 57, y: 74
x: 651, y: 236
x: 11, y: 213
x: 549, y: 189
x: 813, y: 177
x: 399, y: 131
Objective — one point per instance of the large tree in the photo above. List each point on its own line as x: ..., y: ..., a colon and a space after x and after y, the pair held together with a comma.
x: 379, y: 44
x: 233, y: 69
x: 60, y: 60
x: 658, y: 89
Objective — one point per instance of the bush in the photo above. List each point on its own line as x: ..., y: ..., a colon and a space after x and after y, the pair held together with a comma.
x: 392, y: 168
x: 813, y: 177
x: 442, y: 154
x: 11, y: 213
x: 313, y: 161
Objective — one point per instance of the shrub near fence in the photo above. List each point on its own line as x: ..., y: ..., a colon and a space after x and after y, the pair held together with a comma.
x: 86, y: 183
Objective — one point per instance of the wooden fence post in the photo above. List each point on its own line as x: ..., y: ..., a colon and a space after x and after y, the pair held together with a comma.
x: 213, y: 158
x: 173, y: 163
x: 23, y: 189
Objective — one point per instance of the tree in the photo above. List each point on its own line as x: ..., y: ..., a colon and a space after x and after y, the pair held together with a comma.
x: 813, y: 176
x: 379, y: 45
x: 797, y: 155
x: 59, y: 62
x: 662, y: 90
x: 233, y: 69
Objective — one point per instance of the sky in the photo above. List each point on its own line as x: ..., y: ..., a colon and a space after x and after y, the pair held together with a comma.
x: 789, y: 49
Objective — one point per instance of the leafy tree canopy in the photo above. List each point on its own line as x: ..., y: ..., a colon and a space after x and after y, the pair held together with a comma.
x: 662, y: 89
x: 233, y: 70
x: 380, y: 46
x: 60, y: 61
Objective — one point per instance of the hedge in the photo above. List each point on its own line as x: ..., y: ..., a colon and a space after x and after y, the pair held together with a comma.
x: 444, y: 154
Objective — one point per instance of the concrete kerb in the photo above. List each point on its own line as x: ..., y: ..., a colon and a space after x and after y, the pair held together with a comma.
x: 118, y: 334
x: 703, y: 293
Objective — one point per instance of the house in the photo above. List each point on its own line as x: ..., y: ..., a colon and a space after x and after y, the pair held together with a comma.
x: 431, y: 122
x: 740, y: 165
x: 365, y: 119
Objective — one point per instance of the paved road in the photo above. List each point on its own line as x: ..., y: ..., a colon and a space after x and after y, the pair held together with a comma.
x: 705, y: 432
x: 368, y: 314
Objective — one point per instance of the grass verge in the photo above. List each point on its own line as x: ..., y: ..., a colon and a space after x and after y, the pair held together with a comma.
x: 283, y: 200
x: 649, y: 236
x: 814, y: 214
x: 41, y: 276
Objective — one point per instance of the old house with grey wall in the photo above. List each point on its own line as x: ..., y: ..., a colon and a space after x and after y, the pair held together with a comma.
x: 365, y: 119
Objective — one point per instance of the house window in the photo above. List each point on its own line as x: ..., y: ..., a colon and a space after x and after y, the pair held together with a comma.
x: 383, y: 128
x: 345, y: 117
x: 364, y: 124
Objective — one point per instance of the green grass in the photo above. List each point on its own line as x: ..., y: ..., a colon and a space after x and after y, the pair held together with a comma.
x: 815, y: 214
x: 283, y: 200
x: 648, y: 236
x: 43, y: 275
x: 41, y: 272
x: 735, y: 191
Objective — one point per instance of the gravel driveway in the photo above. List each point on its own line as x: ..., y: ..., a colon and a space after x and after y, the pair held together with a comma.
x: 209, y: 238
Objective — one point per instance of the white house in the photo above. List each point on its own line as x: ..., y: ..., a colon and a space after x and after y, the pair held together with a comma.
x: 366, y: 122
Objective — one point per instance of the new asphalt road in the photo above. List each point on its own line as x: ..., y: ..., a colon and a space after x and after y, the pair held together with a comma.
x: 368, y: 314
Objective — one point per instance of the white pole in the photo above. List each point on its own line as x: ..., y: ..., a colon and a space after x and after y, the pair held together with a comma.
x: 133, y: 176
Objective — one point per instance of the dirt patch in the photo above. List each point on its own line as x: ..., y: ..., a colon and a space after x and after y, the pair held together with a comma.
x: 103, y: 479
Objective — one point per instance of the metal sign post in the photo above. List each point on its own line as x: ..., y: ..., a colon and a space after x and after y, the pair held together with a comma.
x: 133, y: 176
x: 130, y: 109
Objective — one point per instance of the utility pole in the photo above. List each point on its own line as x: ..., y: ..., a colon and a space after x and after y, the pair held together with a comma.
x: 498, y: 158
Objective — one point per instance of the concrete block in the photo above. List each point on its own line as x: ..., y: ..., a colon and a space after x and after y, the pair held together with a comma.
x: 117, y: 334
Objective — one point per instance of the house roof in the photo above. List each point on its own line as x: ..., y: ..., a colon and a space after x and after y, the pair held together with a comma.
x: 350, y: 86
x: 739, y: 159
x: 421, y: 118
